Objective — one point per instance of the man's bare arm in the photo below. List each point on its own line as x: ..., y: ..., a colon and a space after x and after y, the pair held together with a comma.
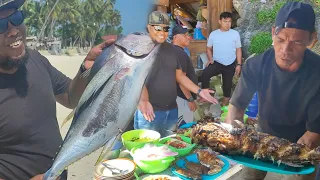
x: 239, y: 55
x: 234, y: 113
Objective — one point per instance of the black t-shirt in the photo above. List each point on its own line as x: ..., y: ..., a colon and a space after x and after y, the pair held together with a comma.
x: 161, y: 82
x: 288, y: 101
x: 29, y: 131
x: 187, y: 67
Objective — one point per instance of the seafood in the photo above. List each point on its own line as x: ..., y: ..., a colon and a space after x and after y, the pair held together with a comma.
x: 209, y: 159
x: 188, y: 173
x: 109, y: 101
x: 245, y: 140
x: 176, y: 143
x: 196, y: 168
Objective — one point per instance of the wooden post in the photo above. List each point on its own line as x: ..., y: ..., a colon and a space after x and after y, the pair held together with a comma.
x: 215, y: 8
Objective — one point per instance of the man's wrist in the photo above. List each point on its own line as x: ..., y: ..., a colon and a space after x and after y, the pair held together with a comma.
x: 82, y: 67
x: 190, y: 99
x: 199, y: 91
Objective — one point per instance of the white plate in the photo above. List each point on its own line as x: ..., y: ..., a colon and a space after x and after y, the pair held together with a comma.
x: 158, y: 176
x: 122, y: 164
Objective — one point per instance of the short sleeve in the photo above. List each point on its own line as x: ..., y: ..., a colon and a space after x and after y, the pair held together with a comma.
x: 210, y: 40
x: 238, y: 40
x: 183, y: 61
x: 313, y: 121
x: 247, y: 85
x: 60, y: 82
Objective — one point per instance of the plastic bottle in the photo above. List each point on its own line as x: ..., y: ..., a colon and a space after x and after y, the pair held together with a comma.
x: 253, y: 106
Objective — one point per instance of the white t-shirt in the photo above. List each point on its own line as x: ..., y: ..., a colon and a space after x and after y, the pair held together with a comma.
x: 224, y: 45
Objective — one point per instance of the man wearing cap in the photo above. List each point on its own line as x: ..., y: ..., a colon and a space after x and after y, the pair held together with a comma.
x: 180, y: 40
x: 29, y: 88
x: 157, y: 108
x: 286, y: 78
x: 224, y: 55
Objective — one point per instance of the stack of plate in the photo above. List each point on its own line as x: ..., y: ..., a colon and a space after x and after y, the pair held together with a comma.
x: 115, y: 169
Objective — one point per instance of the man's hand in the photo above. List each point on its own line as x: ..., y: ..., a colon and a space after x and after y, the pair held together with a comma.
x: 147, y: 110
x: 238, y: 70
x: 205, y: 94
x: 310, y: 139
x: 209, y: 62
x: 96, y: 51
x: 192, y: 106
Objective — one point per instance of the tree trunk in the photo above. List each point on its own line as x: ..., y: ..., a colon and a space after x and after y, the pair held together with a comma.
x: 53, y: 22
x: 74, y: 43
x: 44, y: 26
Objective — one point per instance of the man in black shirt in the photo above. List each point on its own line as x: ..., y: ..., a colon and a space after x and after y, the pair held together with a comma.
x: 157, y: 108
x: 29, y: 89
x: 286, y: 78
x: 185, y: 98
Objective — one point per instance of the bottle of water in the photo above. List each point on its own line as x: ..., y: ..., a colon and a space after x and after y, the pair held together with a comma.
x: 253, y: 107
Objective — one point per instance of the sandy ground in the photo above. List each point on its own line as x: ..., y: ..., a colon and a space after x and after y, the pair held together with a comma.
x: 83, y: 169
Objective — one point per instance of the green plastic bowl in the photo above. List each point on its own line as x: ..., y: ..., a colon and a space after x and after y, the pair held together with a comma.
x: 182, y: 151
x: 224, y: 115
x: 128, y: 138
x: 153, y: 166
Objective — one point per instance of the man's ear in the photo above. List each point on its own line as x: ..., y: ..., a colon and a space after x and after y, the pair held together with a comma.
x: 273, y: 33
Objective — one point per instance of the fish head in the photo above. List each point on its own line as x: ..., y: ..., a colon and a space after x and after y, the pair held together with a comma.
x: 138, y: 45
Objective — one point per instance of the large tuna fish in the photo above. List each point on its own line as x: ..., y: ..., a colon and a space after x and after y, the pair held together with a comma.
x: 109, y: 101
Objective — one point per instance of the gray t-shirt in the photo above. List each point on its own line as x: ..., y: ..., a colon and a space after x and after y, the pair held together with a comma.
x: 29, y: 131
x: 161, y: 82
x: 288, y: 101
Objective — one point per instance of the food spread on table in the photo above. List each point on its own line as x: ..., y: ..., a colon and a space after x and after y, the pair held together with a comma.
x: 212, y: 142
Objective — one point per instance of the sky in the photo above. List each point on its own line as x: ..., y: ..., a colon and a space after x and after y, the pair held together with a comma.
x: 134, y: 14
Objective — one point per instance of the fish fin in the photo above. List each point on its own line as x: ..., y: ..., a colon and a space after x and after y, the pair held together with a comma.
x: 68, y: 118
x: 88, y: 100
x: 85, y: 74
x: 107, y: 148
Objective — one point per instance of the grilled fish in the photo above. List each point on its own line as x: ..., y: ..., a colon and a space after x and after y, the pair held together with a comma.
x: 247, y: 141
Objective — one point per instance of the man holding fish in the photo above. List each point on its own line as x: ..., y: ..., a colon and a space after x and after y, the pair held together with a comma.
x: 286, y: 78
x: 30, y: 87
x: 157, y: 108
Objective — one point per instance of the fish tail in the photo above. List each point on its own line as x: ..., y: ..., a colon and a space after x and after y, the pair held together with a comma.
x: 48, y: 175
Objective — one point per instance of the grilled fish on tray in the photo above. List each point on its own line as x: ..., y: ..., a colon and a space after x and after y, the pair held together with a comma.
x: 248, y: 142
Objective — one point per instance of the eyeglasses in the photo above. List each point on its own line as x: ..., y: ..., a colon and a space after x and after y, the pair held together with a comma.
x: 15, y: 19
x: 160, y: 28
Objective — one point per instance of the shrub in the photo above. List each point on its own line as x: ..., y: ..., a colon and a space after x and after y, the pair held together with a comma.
x: 269, y: 15
x: 260, y: 42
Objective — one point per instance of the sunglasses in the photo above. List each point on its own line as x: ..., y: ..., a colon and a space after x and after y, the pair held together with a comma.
x: 160, y: 28
x: 15, y: 19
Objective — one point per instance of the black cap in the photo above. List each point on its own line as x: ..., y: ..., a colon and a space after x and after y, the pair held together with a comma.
x: 302, y: 14
x: 11, y: 4
x: 179, y: 30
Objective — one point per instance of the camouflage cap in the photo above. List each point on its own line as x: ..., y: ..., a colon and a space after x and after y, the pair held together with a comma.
x: 157, y: 18
x: 11, y: 4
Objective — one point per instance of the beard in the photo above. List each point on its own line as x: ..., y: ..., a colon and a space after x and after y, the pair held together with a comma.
x: 18, y: 81
x: 15, y: 63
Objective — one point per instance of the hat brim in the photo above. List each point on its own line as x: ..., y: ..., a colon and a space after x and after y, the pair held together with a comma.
x: 15, y: 4
x: 154, y: 24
